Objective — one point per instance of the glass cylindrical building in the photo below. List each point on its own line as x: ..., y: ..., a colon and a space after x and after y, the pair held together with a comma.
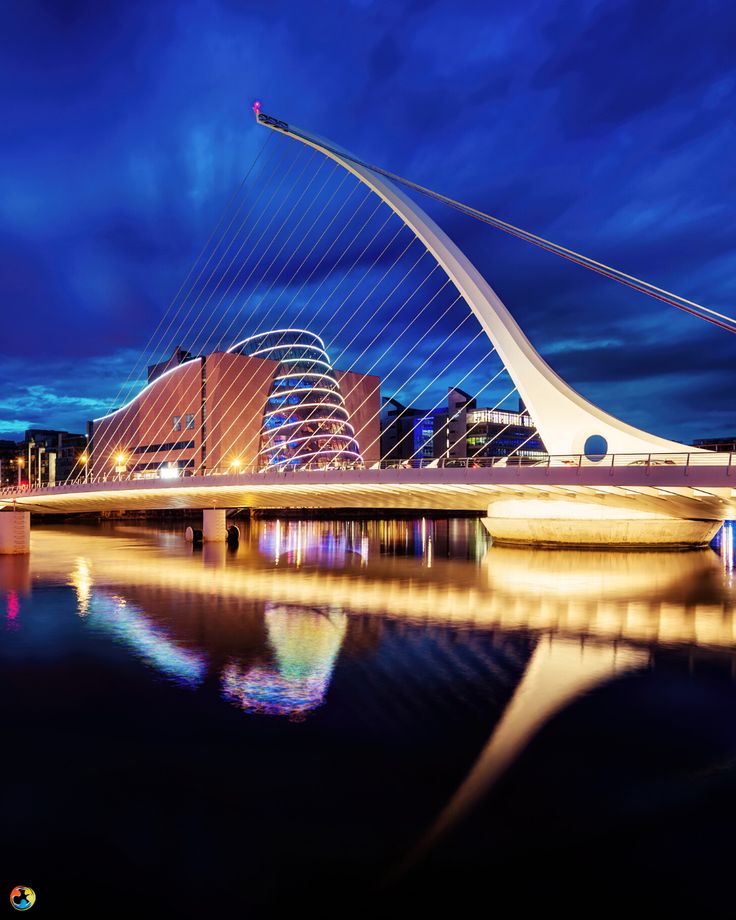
x: 305, y: 422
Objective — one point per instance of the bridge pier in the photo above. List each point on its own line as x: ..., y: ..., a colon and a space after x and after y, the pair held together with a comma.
x: 15, y: 532
x: 561, y: 522
x: 214, y: 525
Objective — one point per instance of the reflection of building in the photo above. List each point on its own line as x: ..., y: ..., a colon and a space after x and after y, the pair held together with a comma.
x: 725, y: 445
x: 305, y: 645
x: 270, y: 400
x: 461, y: 430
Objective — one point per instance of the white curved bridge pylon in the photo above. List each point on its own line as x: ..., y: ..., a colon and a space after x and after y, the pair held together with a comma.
x: 565, y: 420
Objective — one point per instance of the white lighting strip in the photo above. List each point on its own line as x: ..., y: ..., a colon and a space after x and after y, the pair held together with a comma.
x: 298, y: 376
x: 270, y: 348
x: 321, y: 421
x: 291, y: 409
x: 318, y: 453
x: 260, y: 335
x: 147, y: 387
x: 310, y: 437
x: 305, y: 360
x: 276, y: 394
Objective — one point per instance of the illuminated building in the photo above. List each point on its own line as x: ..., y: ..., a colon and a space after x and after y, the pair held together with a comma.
x: 459, y: 431
x: 468, y: 431
x: 305, y: 420
x: 47, y: 456
x: 406, y: 432
x: 271, y: 400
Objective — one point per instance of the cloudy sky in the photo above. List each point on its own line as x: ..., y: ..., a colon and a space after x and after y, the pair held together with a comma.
x: 606, y: 126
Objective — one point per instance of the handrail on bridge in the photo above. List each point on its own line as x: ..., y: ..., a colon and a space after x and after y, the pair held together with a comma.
x: 686, y: 459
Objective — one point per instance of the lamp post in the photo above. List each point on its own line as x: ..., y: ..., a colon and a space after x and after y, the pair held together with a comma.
x: 85, y: 460
x: 120, y: 464
x: 20, y: 463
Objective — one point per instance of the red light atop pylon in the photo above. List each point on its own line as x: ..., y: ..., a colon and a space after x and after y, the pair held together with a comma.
x: 257, y: 107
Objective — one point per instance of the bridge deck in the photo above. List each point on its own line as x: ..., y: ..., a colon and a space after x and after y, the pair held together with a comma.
x: 700, y: 491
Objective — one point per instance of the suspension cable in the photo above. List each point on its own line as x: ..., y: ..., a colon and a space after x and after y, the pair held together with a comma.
x: 720, y: 320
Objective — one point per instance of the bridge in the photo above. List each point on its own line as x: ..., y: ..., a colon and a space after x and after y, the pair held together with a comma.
x: 304, y: 435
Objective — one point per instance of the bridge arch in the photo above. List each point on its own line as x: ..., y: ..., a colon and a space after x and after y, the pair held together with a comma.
x: 567, y: 422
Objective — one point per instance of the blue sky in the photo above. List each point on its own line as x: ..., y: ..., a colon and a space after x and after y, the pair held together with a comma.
x: 607, y: 126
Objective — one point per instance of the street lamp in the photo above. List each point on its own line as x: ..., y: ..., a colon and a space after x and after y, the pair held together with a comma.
x: 84, y: 458
x: 120, y: 463
x: 236, y: 464
x: 20, y: 463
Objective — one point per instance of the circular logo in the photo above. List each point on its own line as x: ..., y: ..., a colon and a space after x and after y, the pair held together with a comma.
x: 22, y: 897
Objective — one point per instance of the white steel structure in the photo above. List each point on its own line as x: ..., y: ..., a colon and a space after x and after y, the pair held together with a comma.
x: 567, y: 423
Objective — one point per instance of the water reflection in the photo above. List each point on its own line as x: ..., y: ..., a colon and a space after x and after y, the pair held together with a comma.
x: 327, y: 543
x: 300, y: 583
x: 305, y: 644
x: 12, y: 609
x: 127, y: 623
x: 637, y: 597
x: 724, y: 544
x: 81, y: 581
x: 422, y: 659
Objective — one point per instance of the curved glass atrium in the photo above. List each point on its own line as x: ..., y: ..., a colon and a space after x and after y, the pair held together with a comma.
x: 305, y: 422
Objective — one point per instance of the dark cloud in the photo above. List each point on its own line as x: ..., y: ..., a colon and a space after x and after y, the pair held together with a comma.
x: 620, y: 60
x: 606, y: 126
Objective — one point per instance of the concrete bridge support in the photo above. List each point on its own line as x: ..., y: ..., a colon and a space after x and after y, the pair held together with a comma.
x: 214, y: 525
x: 15, y: 532
x: 572, y: 522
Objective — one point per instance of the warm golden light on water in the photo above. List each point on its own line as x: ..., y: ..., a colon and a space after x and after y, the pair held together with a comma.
x: 639, y: 597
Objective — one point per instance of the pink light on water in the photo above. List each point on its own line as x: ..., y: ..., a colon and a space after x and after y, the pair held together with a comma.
x: 12, y: 605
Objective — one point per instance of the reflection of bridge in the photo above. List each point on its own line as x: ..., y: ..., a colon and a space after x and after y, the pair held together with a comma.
x: 606, y: 482
x: 563, y: 622
x: 640, y: 599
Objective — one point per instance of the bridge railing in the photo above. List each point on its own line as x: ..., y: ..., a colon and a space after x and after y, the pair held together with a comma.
x: 685, y: 459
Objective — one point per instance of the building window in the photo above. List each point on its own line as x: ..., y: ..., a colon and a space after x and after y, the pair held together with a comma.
x: 177, y: 423
x: 189, y: 419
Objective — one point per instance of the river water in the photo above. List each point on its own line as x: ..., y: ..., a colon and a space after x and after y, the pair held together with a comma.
x: 365, y: 717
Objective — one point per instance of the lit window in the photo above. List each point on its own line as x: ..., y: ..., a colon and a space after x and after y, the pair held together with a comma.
x: 189, y: 418
x: 177, y: 423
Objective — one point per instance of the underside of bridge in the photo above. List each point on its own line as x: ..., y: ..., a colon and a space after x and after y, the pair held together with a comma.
x: 628, y: 505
